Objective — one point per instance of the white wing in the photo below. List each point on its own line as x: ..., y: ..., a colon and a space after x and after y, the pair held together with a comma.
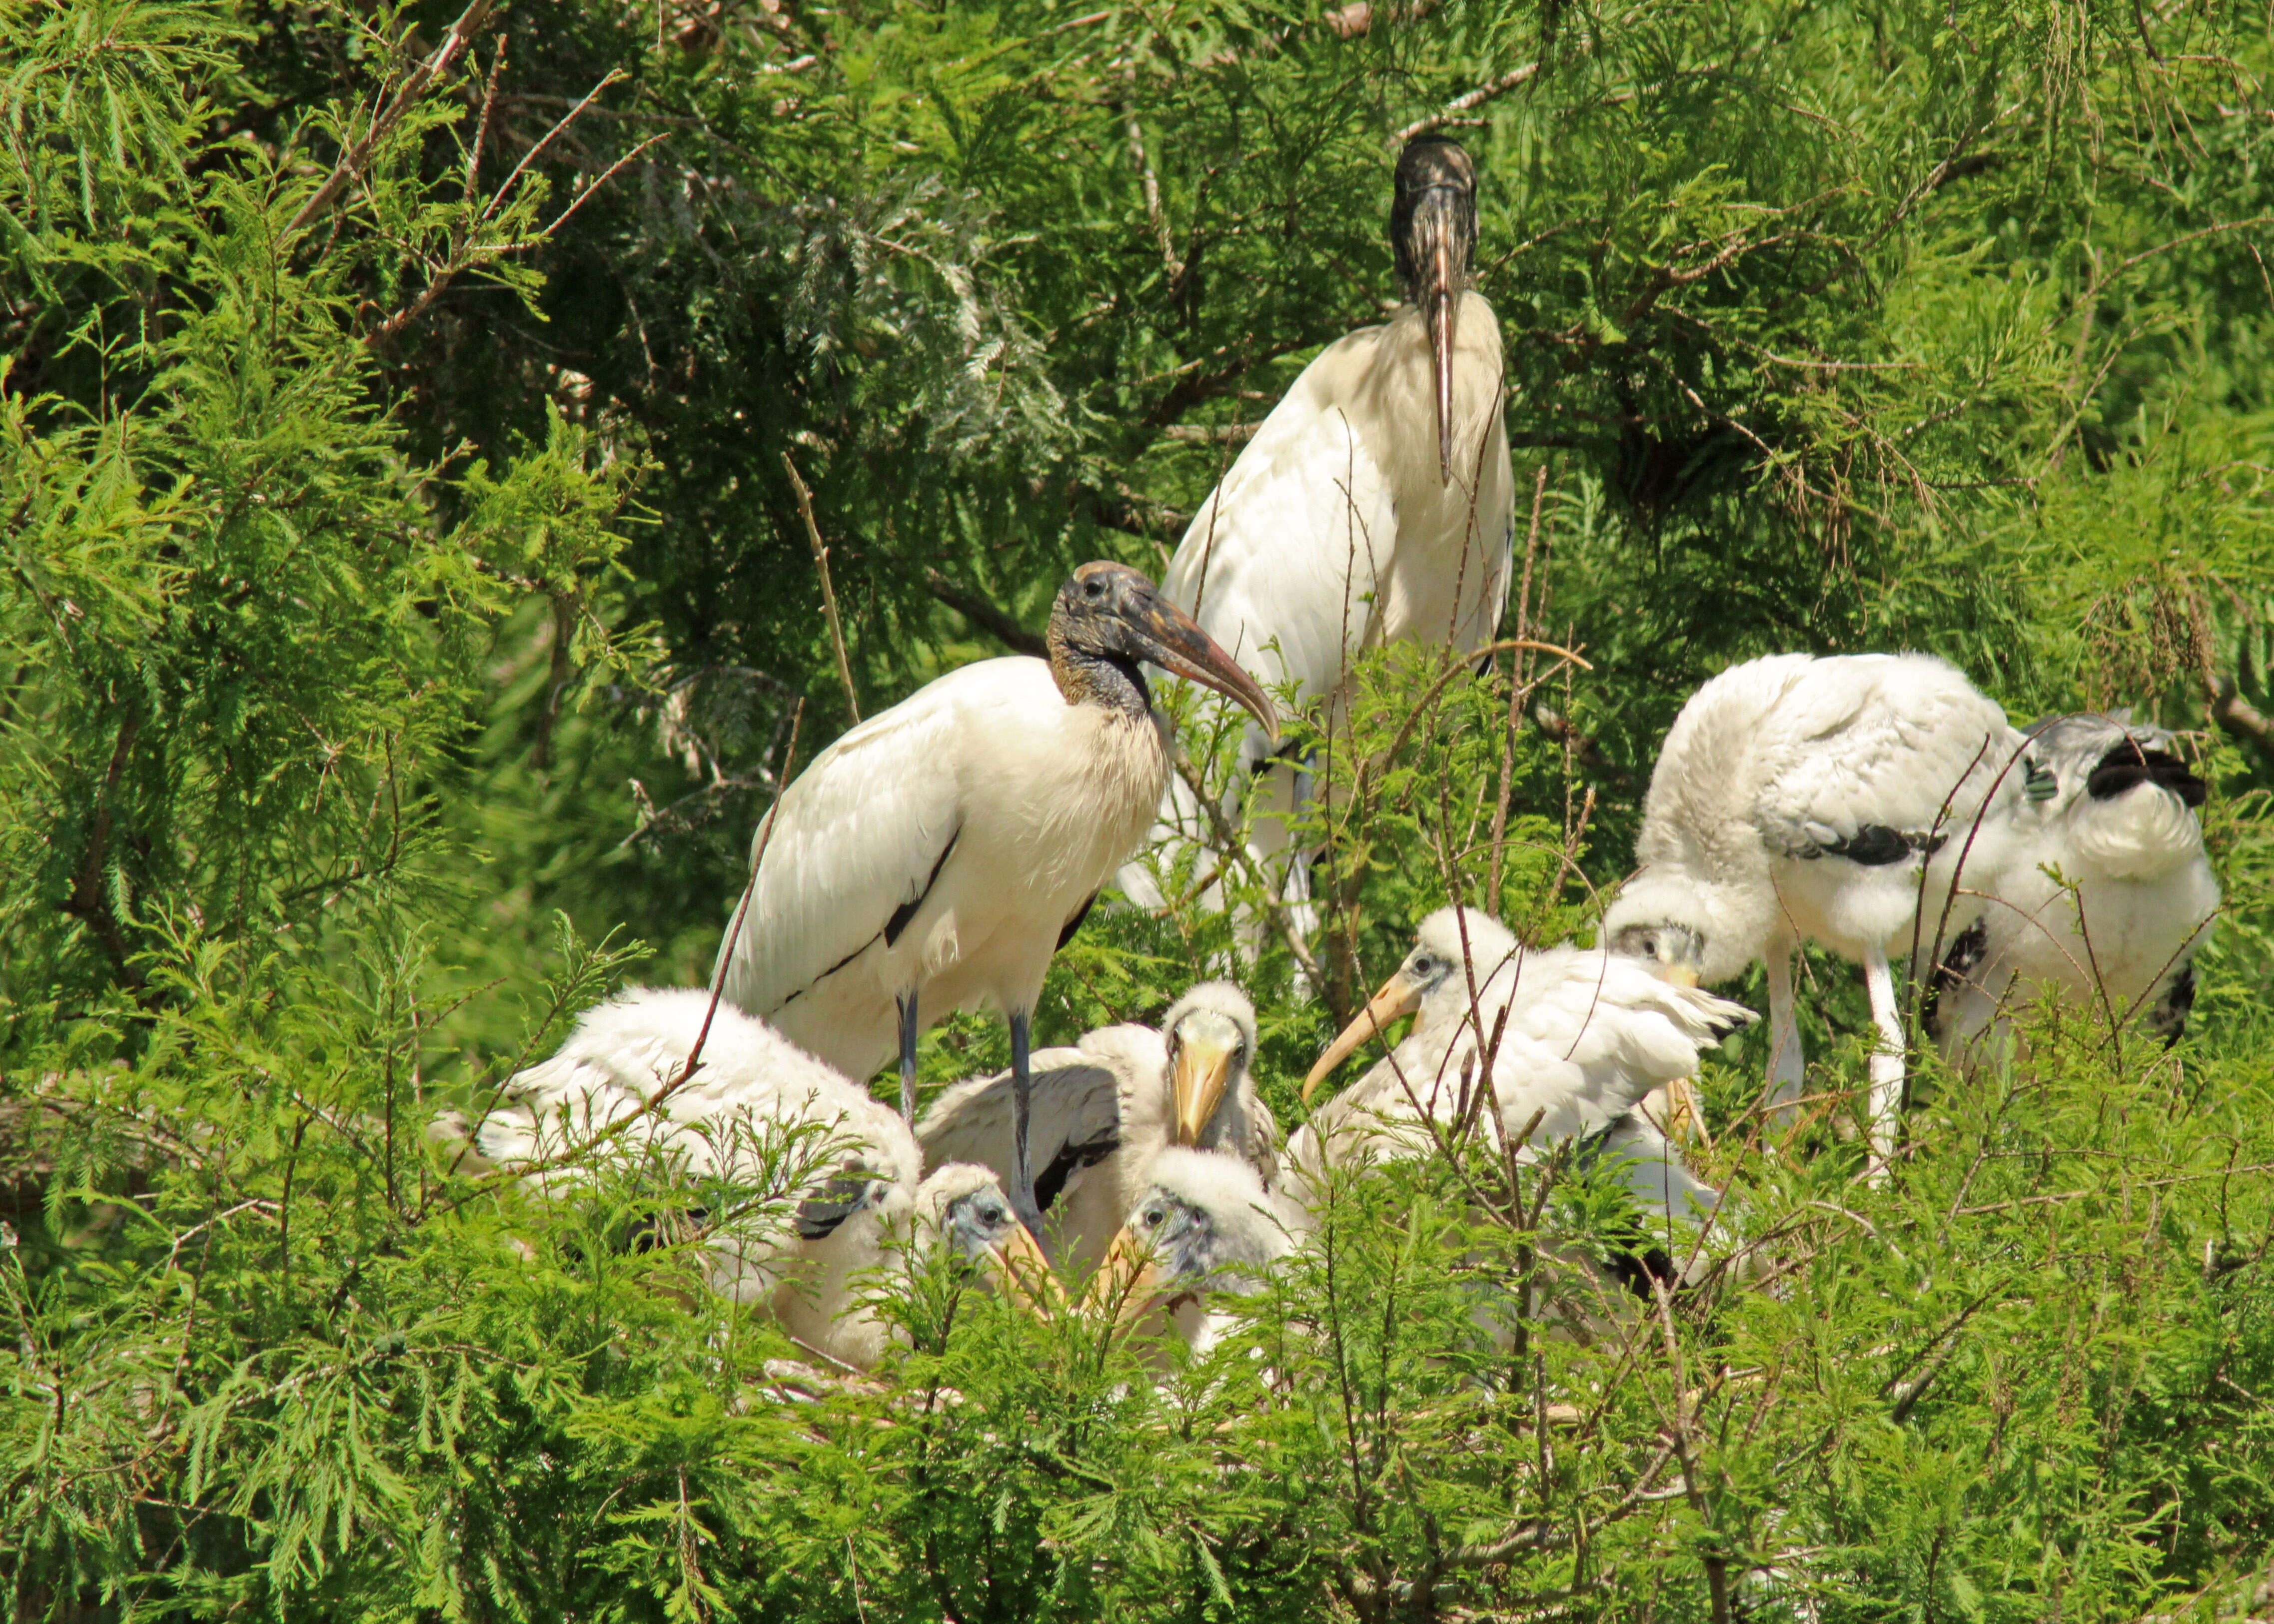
x: 1901, y: 742
x: 864, y: 831
x: 752, y: 1089
x: 1289, y: 546
x: 1589, y: 1033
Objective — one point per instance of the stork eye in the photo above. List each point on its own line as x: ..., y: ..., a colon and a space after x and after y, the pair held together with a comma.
x: 1154, y: 1217
x: 1093, y: 588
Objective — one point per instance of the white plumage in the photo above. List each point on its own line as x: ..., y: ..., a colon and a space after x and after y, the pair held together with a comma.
x: 1800, y: 799
x: 1106, y: 1107
x: 2108, y: 808
x: 935, y: 857
x: 1202, y: 1222
x: 1347, y: 522
x: 1583, y: 1035
x: 829, y: 1175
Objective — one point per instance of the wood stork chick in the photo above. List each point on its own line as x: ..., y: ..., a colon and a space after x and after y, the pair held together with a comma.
x: 1106, y: 1107
x: 2110, y: 809
x: 1202, y: 1222
x: 1800, y: 799
x: 1372, y: 507
x: 831, y: 1176
x: 1583, y: 1035
x: 936, y: 856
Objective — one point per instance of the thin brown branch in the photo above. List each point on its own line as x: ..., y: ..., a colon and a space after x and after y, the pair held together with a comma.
x: 358, y: 157
x: 828, y: 593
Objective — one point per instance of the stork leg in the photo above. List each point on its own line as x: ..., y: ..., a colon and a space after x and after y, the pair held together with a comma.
x: 908, y: 1031
x: 1886, y: 1057
x: 1022, y: 1085
x: 1788, y: 1064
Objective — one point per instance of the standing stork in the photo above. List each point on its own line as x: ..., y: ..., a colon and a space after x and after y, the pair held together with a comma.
x: 935, y: 858
x: 1804, y: 799
x: 821, y: 1181
x: 1372, y: 507
x: 1105, y: 1107
x: 2099, y: 888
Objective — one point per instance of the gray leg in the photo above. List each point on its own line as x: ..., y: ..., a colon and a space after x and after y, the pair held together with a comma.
x: 908, y: 1031
x: 1022, y: 1087
x: 1788, y: 1065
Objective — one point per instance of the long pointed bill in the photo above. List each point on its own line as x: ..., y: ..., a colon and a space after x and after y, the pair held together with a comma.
x: 1126, y: 1282
x: 1203, y: 1071
x: 1438, y: 256
x: 1174, y: 642
x: 1398, y: 996
x: 1680, y: 975
x: 1024, y: 1275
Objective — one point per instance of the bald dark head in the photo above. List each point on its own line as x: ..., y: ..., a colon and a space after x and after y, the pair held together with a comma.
x: 1435, y: 201
x: 1433, y: 229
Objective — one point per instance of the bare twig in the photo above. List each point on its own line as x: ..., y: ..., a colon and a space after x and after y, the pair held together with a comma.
x: 1466, y: 102
x: 358, y: 157
x: 828, y: 593
x: 741, y: 909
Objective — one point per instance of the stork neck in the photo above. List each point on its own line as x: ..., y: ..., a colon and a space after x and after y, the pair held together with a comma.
x: 1112, y: 681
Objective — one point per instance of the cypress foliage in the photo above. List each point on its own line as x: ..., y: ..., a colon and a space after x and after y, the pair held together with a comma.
x: 406, y: 597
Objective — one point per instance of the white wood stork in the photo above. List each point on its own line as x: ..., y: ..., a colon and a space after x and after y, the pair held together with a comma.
x: 1372, y: 507
x: 1802, y: 799
x: 1201, y: 1223
x: 2108, y: 808
x: 1584, y: 1036
x: 936, y: 856
x: 1106, y: 1107
x: 829, y: 1176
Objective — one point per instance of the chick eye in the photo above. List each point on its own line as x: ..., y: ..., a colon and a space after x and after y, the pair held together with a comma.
x: 1153, y: 1217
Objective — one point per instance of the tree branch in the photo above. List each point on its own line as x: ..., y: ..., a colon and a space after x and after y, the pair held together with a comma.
x: 358, y: 157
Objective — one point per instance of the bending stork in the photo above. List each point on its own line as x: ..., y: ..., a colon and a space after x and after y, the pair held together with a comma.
x: 935, y: 857
x: 819, y: 1181
x: 1106, y: 1107
x: 1372, y: 507
x: 2109, y: 808
x: 1800, y: 799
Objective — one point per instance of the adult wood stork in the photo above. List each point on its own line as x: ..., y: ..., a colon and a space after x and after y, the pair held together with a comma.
x: 1584, y: 1037
x: 1201, y: 1223
x: 1802, y: 799
x: 1372, y: 507
x: 1106, y: 1107
x: 2097, y: 889
x: 937, y: 856
x: 819, y: 1182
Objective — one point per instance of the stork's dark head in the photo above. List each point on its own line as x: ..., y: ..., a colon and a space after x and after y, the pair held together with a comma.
x: 1433, y: 232
x: 1108, y: 620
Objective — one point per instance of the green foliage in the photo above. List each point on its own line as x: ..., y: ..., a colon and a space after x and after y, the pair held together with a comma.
x: 402, y: 588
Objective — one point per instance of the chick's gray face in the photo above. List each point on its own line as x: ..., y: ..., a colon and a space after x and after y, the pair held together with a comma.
x: 978, y: 1223
x: 1426, y: 970
x: 1179, y: 1235
x: 1676, y: 947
